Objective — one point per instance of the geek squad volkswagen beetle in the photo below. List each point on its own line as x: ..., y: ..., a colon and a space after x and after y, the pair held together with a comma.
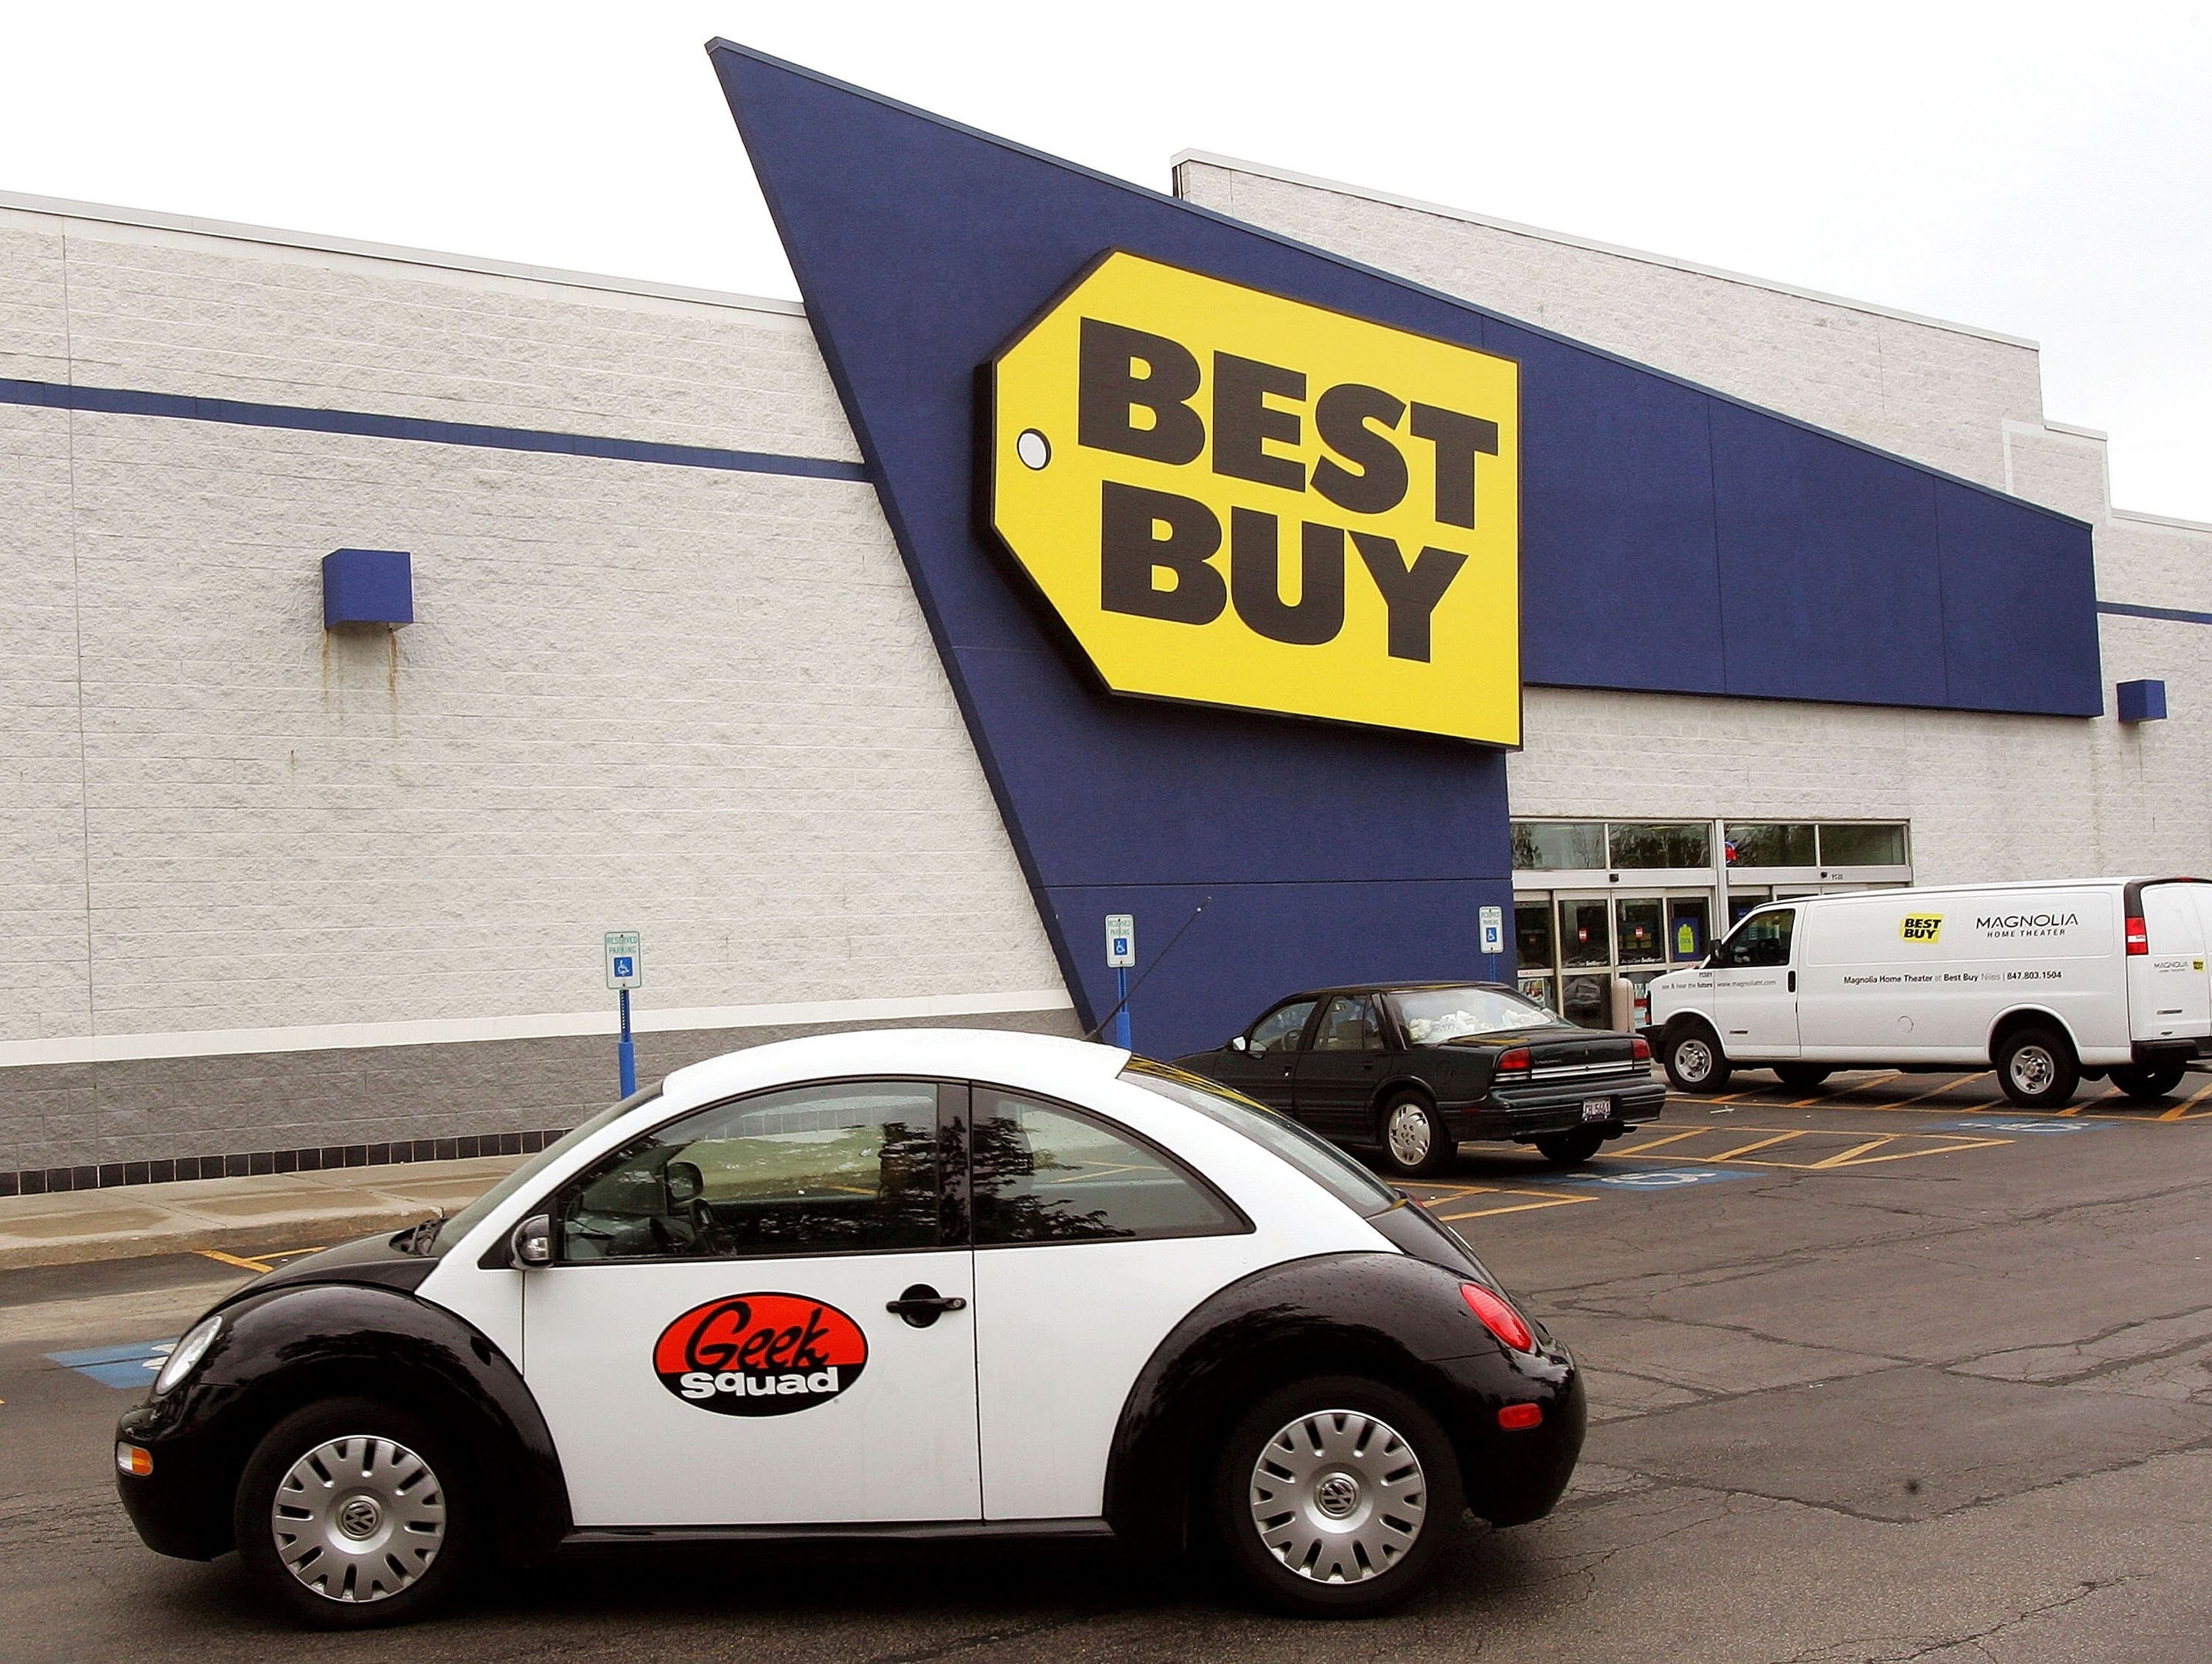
x: 898, y: 1283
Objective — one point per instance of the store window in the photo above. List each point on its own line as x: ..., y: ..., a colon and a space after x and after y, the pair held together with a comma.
x: 1643, y: 935
x: 1764, y: 843
x: 1558, y: 846
x: 1863, y: 845
x: 1687, y: 844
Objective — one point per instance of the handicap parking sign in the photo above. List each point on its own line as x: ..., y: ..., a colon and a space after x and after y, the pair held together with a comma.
x: 2033, y: 1127
x: 1652, y: 1178
x: 129, y: 1366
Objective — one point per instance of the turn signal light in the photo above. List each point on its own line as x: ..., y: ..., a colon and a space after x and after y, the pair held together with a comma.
x: 2138, y: 938
x: 1640, y: 1049
x: 1516, y: 1418
x: 1513, y: 1060
x: 1499, y: 1317
x: 132, y: 1459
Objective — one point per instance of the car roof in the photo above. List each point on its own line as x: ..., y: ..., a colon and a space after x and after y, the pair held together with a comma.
x: 1008, y: 1057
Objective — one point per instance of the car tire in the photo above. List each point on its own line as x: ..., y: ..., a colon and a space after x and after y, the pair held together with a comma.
x: 2037, y: 1068
x: 1693, y: 1061
x: 1416, y: 1145
x: 1571, y: 1149
x: 1801, y: 1077
x: 347, y: 1516
x: 2148, y: 1084
x: 1334, y: 1496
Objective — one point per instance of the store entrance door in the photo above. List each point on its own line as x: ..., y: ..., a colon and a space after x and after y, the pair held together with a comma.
x: 1574, y: 943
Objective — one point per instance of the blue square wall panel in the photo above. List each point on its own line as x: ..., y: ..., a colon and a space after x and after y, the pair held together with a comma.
x: 368, y: 586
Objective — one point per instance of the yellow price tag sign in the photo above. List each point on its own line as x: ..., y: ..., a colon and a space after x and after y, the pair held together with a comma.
x: 1235, y: 498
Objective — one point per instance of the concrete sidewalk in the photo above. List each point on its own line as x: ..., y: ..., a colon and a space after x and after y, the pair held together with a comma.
x: 269, y: 1211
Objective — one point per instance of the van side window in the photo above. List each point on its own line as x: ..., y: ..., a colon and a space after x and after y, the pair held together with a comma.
x: 1761, y: 939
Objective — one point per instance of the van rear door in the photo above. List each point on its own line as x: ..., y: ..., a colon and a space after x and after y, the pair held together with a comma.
x: 2169, y: 993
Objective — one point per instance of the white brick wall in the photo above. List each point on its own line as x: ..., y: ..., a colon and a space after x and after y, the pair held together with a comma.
x: 698, y: 703
x: 1989, y: 797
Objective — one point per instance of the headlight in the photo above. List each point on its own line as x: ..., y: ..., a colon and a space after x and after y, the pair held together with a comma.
x: 188, y: 1353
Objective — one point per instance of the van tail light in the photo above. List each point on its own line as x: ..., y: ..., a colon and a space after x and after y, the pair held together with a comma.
x: 1640, y: 1048
x: 1498, y: 1317
x: 1513, y: 1060
x: 2138, y: 938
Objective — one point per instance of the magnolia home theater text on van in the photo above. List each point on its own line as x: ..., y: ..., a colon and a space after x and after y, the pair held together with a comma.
x: 388, y: 625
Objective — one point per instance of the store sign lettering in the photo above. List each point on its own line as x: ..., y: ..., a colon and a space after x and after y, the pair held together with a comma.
x: 1235, y: 499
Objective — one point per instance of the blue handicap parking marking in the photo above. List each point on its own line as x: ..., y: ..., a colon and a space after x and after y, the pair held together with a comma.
x: 1651, y: 1178
x: 130, y: 1366
x: 1985, y: 1124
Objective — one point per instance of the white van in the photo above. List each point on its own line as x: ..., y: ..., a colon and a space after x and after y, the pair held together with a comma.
x: 2047, y: 983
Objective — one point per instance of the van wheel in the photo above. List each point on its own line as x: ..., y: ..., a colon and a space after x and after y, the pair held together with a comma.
x: 1571, y: 1149
x: 1334, y: 1496
x: 1801, y: 1077
x: 1415, y: 1142
x: 2037, y: 1068
x: 2151, y: 1084
x: 1694, y: 1061
x: 347, y: 1517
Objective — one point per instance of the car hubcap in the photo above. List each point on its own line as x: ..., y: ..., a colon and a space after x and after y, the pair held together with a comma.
x: 358, y: 1518
x: 1694, y: 1061
x: 2032, y: 1069
x: 1338, y: 1496
x: 1410, y: 1137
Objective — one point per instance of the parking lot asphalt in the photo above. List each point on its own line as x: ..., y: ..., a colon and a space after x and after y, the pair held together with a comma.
x: 1889, y: 1371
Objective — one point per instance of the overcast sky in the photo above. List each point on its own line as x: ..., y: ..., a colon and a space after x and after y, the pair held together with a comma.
x: 2040, y: 169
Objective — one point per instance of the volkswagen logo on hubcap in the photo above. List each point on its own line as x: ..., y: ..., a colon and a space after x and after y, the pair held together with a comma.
x: 1337, y: 1495
x: 359, y: 1517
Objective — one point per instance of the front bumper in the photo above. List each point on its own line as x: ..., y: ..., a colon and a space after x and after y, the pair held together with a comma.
x: 182, y: 1507
x: 1530, y: 1112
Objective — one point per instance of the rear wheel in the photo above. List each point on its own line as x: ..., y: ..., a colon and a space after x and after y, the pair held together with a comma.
x: 1571, y: 1149
x: 1693, y: 1061
x: 2149, y: 1083
x: 346, y: 1515
x: 2037, y: 1068
x: 1415, y: 1142
x: 1804, y: 1076
x: 1334, y: 1496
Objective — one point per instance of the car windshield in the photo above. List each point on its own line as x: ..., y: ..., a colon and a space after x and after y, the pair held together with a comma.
x: 1318, y: 1159
x: 1432, y: 1016
x: 446, y: 1232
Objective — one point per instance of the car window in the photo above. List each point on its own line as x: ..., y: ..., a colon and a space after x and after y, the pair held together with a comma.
x: 1433, y: 1015
x: 1761, y: 939
x: 1043, y: 1173
x: 1349, y: 1024
x: 1312, y: 1155
x: 450, y: 1231
x: 1280, y: 1028
x: 848, y: 1166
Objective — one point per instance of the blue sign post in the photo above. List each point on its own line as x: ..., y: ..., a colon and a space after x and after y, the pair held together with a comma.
x: 1121, y: 955
x: 625, y: 971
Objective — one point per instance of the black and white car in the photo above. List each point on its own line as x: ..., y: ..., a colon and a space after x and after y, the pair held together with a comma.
x: 898, y: 1283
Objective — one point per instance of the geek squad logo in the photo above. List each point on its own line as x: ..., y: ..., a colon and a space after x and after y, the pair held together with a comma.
x: 760, y: 1354
x: 1233, y: 498
x: 1922, y: 927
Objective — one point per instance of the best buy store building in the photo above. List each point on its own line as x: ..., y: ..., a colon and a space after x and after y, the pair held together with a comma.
x: 1294, y: 567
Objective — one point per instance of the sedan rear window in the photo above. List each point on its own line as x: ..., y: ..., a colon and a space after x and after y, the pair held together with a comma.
x: 1433, y: 1015
x: 1319, y: 1160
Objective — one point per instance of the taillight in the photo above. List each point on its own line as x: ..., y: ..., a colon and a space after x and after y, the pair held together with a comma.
x: 1519, y: 1418
x: 1513, y: 1060
x: 2138, y: 938
x: 1499, y: 1317
x: 1640, y: 1049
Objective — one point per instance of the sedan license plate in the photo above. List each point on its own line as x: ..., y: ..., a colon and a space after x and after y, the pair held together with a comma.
x: 1597, y: 1108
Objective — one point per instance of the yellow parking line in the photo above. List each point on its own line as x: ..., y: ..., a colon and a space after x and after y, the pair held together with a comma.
x: 1518, y: 1207
x: 1672, y: 1138
x: 2179, y: 1112
x: 233, y: 1260
x: 1744, y: 1149
x: 1906, y: 1155
x: 1846, y: 1159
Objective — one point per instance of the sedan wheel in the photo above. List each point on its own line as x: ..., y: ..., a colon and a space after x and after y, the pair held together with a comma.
x: 1335, y: 1495
x: 1415, y: 1142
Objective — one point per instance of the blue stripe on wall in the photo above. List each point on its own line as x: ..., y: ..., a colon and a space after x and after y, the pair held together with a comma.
x: 2171, y: 615
x: 122, y: 401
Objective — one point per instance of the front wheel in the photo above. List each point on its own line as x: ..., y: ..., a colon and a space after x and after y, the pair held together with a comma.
x: 2152, y: 1083
x: 347, y: 1517
x: 1694, y: 1061
x: 1334, y: 1496
x: 2037, y: 1068
x: 1415, y: 1142
x: 1571, y: 1149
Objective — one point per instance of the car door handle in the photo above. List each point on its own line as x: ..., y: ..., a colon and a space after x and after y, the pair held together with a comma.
x: 1793, y: 982
x: 922, y: 1305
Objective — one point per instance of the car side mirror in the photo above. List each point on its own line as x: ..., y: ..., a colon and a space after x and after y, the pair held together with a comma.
x: 1236, y: 1044
x: 684, y: 1181
x: 531, y: 1242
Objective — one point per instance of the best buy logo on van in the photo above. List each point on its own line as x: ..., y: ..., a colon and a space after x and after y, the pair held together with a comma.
x: 1922, y: 926
x: 1235, y: 498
